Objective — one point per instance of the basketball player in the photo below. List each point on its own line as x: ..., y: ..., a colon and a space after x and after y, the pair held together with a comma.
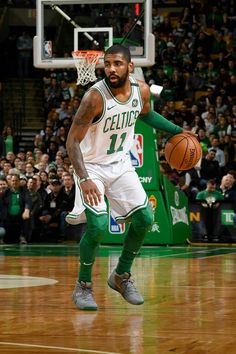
x: 98, y: 145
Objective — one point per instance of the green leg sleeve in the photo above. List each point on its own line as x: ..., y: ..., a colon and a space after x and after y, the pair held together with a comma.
x: 96, y: 227
x: 141, y: 223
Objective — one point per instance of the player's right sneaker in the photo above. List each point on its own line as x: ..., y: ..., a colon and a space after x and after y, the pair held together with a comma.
x: 83, y: 296
x: 125, y: 286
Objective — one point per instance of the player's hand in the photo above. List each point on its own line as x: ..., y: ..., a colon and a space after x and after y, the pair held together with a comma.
x: 190, y: 133
x: 91, y: 193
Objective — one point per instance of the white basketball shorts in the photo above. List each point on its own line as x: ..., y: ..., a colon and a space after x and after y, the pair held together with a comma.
x: 120, y: 184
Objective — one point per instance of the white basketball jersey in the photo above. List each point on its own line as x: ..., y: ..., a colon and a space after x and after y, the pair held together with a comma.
x: 110, y: 138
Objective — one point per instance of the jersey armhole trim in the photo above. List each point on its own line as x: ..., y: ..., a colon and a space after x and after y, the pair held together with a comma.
x: 104, y: 105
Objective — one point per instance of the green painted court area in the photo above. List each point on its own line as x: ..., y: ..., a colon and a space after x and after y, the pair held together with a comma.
x: 106, y: 251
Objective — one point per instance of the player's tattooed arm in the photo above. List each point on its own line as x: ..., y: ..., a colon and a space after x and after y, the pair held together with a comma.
x: 91, y: 107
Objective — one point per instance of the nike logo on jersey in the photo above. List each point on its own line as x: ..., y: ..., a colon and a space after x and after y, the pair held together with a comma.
x: 87, y: 264
x: 108, y: 108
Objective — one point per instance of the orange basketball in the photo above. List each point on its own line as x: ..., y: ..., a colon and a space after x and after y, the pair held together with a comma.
x: 183, y: 151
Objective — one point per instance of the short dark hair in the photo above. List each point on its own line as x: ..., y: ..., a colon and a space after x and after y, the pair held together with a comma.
x: 55, y: 181
x: 211, y: 181
x: 118, y: 48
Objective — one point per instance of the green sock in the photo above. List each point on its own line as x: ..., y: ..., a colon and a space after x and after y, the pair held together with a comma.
x: 130, y: 250
x: 89, y: 244
x: 141, y: 223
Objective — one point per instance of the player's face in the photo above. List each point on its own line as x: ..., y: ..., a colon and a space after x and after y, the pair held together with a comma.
x: 117, y: 70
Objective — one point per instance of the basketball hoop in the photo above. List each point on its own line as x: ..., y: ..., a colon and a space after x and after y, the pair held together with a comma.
x: 85, y: 62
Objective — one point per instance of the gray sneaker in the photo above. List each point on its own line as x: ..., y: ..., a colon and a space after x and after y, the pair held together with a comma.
x: 125, y: 286
x: 23, y: 240
x: 83, y: 296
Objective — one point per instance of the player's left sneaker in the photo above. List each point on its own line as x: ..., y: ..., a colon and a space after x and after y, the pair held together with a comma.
x: 125, y: 286
x: 76, y: 219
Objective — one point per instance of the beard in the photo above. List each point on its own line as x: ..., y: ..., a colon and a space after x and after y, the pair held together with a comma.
x: 120, y: 80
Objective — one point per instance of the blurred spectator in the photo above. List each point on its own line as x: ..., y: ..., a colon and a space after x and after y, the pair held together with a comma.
x: 24, y: 45
x: 221, y: 128
x: 51, y: 212
x: 218, y: 43
x: 52, y: 95
x: 3, y: 186
x: 232, y: 128
x: 10, y: 140
x: 197, y: 124
x: 189, y: 183
x: 203, y: 138
x: 193, y: 83
x: 209, y: 212
x: 23, y: 181
x: 228, y: 187
x: 46, y: 137
x: 220, y: 156
x: 231, y: 89
x: 36, y: 206
x: 68, y: 204
x: 62, y: 111
x: 21, y: 166
x: 214, y: 18
x: 220, y: 106
x: 16, y: 204
x: 38, y: 143
x: 165, y: 27
x: 67, y: 92
x: 178, y: 84
x: 209, y: 168
x: 169, y: 53
x: 157, y: 19
x: 61, y: 139
x: 29, y: 170
x: 229, y: 152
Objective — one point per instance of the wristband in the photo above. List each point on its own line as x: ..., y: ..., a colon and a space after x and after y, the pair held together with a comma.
x: 84, y: 179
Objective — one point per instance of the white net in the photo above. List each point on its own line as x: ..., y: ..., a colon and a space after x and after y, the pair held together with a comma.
x: 85, y: 62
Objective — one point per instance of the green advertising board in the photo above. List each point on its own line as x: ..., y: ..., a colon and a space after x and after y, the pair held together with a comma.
x: 170, y: 206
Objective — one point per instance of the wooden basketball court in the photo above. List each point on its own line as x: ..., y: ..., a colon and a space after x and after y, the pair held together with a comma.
x: 189, y: 302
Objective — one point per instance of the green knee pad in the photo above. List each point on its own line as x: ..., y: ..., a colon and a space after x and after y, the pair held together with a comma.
x: 143, y: 219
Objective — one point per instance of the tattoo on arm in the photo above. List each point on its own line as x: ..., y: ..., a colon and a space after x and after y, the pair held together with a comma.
x: 83, y: 119
x: 90, y: 107
x: 86, y: 113
x: 76, y: 158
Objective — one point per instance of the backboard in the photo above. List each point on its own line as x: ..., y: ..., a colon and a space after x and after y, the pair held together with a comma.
x: 66, y: 25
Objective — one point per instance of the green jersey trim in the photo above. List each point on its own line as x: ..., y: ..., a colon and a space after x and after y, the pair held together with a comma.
x: 115, y: 99
x: 104, y: 104
x: 124, y: 217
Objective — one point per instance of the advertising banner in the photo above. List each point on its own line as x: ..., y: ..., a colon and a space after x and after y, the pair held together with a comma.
x: 223, y: 227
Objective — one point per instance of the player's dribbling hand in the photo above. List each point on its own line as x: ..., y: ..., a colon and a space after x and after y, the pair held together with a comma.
x: 189, y: 132
x: 91, y: 193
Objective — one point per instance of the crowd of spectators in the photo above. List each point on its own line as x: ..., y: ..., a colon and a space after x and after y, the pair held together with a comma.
x: 195, y: 64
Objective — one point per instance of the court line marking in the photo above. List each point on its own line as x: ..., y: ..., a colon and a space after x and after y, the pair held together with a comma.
x: 54, y: 347
x: 218, y: 255
x: 189, y: 253
x: 183, y: 254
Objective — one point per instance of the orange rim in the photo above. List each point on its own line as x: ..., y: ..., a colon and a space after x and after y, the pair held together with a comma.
x: 86, y: 53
